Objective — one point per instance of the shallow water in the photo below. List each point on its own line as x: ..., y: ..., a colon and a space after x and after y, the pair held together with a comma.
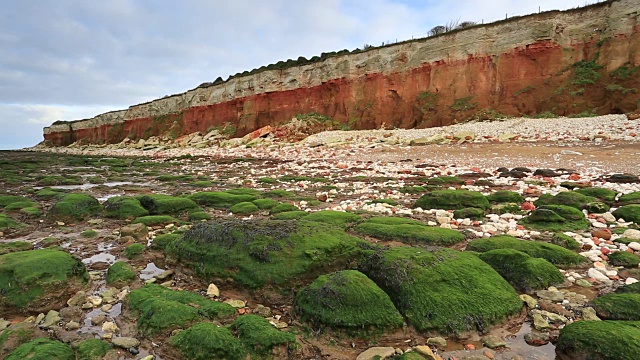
x: 150, y: 271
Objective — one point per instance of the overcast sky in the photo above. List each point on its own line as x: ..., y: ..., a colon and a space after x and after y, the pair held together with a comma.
x: 74, y: 59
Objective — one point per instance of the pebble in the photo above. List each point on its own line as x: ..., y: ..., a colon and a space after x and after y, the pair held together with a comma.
x: 125, y: 342
x: 236, y: 303
x: 213, y: 291
x: 111, y: 327
x: 376, y: 353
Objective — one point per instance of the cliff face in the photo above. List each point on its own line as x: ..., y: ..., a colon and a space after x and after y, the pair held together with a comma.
x: 564, y: 63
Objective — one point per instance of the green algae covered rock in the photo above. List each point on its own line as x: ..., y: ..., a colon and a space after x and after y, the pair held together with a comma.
x: 290, y: 215
x: 623, y: 258
x: 444, y: 291
x: 617, y: 306
x: 153, y: 220
x: 259, y: 252
x: 573, y: 199
x: 408, y: 231
x: 347, y: 299
x: 161, y: 241
x: 336, y: 218
x: 471, y: 213
x: 15, y: 246
x: 523, y: 272
x: 552, y: 253
x: 124, y: 207
x: 453, y: 200
x: 93, y: 349
x: 7, y: 222
x: 120, y: 273
x: 599, y: 340
x: 631, y: 198
x: 244, y: 208
x: 159, y: 308
x: 602, y: 194
x: 566, y: 242
x: 75, y: 206
x: 42, y: 349
x: 159, y: 204
x: 220, y: 199
x: 556, y: 218
x: 205, y: 341
x: 258, y: 335
x: 629, y: 289
x: 29, y: 279
x: 628, y: 213
x: 283, y: 207
x: 133, y: 250
x: 505, y: 196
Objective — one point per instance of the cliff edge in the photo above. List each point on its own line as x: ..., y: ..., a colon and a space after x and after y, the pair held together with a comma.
x: 578, y: 62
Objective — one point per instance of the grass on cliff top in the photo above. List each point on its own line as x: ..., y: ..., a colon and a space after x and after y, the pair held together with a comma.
x: 258, y: 252
x: 160, y: 309
x: 258, y: 335
x: 444, y: 291
x: 523, y: 272
x: 407, y: 231
x: 205, y: 341
x: 599, y: 340
x: 27, y: 276
x: 554, y: 254
x: 347, y: 299
x: 618, y: 306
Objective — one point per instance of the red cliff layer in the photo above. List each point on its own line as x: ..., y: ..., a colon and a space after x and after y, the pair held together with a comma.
x: 566, y: 68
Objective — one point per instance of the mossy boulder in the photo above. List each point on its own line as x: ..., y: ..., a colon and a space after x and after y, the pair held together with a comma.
x: 573, y: 199
x: 444, y: 291
x: 205, y: 341
x: 48, y: 193
x: 566, y: 242
x: 14, y: 336
x: 6, y: 248
x: 290, y: 215
x: 628, y: 213
x: 453, y: 200
x: 407, y: 231
x: 42, y: 349
x: 556, y: 218
x: 6, y: 200
x: 17, y: 206
x: 124, y: 207
x: 153, y: 220
x: 120, y: 273
x: 336, y: 218
x: 265, y: 204
x: 617, y: 306
x: 133, y: 250
x: 159, y: 309
x: 283, y: 207
x: 347, y: 299
x: 220, y: 199
x: 7, y: 222
x: 505, y: 196
x: 244, y: 208
x: 471, y: 213
x: 259, y: 336
x: 93, y: 349
x: 597, y: 207
x: 199, y: 216
x: 37, y: 279
x: 554, y: 254
x: 631, y: 198
x: 602, y: 194
x: 629, y: 289
x: 599, y: 340
x: 75, y: 206
x: 523, y: 272
x: 258, y: 252
x: 161, y: 241
x: 159, y: 204
x: 623, y: 258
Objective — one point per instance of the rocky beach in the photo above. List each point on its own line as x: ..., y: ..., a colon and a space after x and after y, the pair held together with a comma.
x: 508, y: 239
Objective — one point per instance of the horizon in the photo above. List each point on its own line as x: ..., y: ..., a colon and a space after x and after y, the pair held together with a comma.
x: 45, y: 81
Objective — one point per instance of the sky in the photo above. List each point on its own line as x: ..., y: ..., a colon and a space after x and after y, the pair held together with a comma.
x: 74, y: 59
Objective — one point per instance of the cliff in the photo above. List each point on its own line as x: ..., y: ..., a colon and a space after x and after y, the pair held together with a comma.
x: 580, y: 61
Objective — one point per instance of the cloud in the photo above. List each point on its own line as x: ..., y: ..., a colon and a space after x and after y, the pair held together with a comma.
x: 62, y: 58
